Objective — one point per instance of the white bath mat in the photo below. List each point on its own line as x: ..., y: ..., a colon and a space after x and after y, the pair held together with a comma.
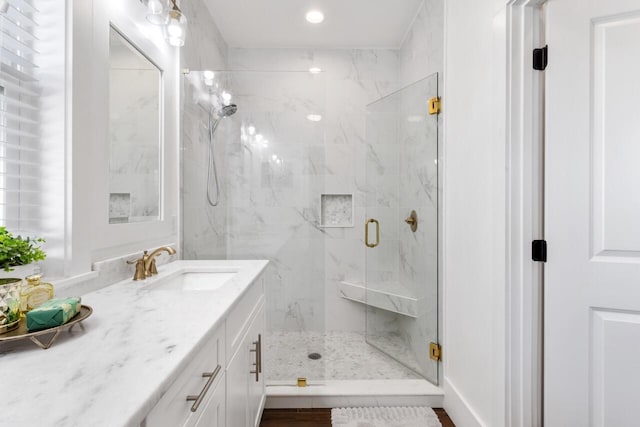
x: 419, y: 416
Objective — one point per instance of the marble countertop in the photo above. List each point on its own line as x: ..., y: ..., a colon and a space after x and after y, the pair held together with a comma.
x: 133, y: 347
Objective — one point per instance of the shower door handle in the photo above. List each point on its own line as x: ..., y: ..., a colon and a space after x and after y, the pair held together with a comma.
x: 366, y: 233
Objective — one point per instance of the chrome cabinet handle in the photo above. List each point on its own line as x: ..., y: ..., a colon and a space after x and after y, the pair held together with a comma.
x: 258, y: 351
x: 198, y: 399
x: 366, y: 233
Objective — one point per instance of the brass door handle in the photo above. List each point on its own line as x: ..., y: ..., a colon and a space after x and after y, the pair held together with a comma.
x: 197, y: 399
x: 412, y: 221
x: 366, y: 233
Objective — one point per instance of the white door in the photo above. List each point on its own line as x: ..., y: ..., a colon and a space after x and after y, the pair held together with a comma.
x: 592, y: 278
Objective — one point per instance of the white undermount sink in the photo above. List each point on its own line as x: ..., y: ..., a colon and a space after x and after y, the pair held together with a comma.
x: 193, y: 280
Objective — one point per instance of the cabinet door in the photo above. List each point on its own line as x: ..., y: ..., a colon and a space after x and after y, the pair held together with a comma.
x: 256, y: 383
x: 237, y: 386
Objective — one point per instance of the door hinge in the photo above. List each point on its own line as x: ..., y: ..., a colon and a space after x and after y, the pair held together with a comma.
x: 539, y: 250
x: 435, y: 351
x: 541, y: 58
x: 434, y: 105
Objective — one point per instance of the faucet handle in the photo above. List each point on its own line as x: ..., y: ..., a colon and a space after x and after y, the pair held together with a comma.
x: 139, y: 274
x: 152, y: 267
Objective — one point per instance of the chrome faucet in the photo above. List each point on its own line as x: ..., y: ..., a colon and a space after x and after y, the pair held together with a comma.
x: 146, y: 266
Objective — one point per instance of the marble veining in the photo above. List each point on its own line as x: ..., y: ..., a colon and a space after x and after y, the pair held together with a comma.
x: 132, y: 349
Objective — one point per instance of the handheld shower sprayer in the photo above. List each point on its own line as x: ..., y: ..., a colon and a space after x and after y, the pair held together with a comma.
x: 226, y: 111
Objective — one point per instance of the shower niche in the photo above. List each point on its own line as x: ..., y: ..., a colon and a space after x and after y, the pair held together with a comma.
x: 336, y: 210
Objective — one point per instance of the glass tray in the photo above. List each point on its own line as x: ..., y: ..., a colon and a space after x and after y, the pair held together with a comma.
x: 21, y: 333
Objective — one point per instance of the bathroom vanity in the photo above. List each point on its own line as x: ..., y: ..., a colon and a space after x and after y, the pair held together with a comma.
x: 183, y: 348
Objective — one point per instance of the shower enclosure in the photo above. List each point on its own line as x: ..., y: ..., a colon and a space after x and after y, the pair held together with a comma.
x: 278, y: 202
x: 270, y: 157
x: 402, y: 227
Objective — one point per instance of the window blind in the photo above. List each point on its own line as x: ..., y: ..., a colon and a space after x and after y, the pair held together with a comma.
x: 20, y: 164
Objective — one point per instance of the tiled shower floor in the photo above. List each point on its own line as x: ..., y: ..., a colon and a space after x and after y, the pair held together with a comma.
x: 345, y: 356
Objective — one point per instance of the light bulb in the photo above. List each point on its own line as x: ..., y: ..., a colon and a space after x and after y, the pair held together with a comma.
x: 251, y: 129
x: 274, y: 157
x: 174, y: 29
x: 259, y: 137
x: 315, y: 70
x: 315, y: 16
x: 314, y: 117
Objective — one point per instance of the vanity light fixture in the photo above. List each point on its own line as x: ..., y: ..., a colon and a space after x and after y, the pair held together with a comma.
x: 156, y: 10
x: 314, y: 117
x: 315, y: 16
x: 175, y: 26
x: 168, y: 14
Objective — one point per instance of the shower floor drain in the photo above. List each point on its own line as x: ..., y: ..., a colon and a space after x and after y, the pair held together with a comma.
x: 314, y: 356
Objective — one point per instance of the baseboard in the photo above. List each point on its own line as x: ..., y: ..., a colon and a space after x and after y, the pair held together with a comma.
x: 458, y: 408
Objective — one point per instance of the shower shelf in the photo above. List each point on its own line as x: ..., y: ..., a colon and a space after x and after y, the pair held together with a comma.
x: 395, y: 299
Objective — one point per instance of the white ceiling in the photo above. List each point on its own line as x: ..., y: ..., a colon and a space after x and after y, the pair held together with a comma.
x: 281, y: 23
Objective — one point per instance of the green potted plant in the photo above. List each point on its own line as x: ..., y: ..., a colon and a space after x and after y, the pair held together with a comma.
x: 18, y: 254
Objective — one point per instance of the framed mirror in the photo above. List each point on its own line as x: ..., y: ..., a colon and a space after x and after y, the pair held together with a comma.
x: 135, y: 133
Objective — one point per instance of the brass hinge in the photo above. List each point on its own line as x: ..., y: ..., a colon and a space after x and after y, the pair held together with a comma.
x: 434, y: 105
x: 302, y: 382
x: 435, y: 351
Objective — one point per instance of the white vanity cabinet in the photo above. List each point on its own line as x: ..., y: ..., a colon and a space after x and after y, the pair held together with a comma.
x: 225, y: 376
x: 245, y: 379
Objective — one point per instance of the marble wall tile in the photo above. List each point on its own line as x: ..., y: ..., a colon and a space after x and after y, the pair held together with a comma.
x: 272, y: 192
x: 203, y: 227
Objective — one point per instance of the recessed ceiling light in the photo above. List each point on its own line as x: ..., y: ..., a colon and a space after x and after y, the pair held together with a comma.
x: 315, y: 16
x: 315, y: 70
x: 314, y: 117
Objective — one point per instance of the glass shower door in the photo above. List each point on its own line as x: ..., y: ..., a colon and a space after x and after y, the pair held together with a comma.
x: 401, y: 232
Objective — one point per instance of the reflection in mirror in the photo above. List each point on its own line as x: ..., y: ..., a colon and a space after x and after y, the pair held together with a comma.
x: 135, y: 125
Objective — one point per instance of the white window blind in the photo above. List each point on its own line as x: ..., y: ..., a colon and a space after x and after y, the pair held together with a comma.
x: 20, y: 168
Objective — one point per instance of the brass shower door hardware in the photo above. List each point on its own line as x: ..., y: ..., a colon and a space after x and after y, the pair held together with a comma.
x: 366, y: 233
x: 146, y: 266
x: 302, y: 382
x: 434, y: 105
x: 435, y: 351
x: 412, y: 221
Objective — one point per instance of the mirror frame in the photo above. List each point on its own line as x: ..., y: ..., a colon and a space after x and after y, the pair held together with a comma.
x: 110, y: 240
x: 161, y: 120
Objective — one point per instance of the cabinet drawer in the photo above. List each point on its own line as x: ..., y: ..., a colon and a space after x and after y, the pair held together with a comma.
x: 173, y: 409
x: 240, y: 317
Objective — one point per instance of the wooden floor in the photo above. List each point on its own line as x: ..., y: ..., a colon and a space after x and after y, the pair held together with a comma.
x: 317, y: 418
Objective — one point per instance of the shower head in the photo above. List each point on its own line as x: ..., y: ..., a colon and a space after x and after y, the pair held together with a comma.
x: 228, y: 110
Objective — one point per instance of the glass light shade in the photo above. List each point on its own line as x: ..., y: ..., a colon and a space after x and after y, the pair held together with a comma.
x: 156, y: 11
x: 175, y: 28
